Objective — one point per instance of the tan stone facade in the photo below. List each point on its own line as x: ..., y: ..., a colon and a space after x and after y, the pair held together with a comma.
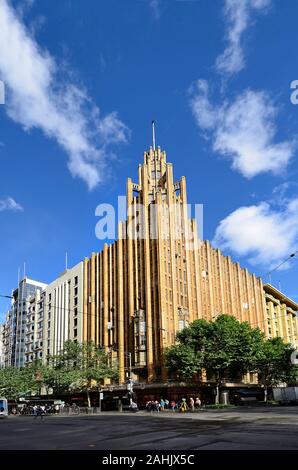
x: 150, y: 283
x: 281, y: 315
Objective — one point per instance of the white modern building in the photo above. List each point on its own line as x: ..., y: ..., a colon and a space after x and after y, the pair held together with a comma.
x: 42, y: 317
x: 15, y: 327
x: 63, y: 310
x: 2, y: 361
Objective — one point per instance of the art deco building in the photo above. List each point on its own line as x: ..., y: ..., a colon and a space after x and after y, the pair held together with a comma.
x: 158, y: 276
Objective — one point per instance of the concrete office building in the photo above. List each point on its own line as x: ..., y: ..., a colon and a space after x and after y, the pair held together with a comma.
x: 2, y: 358
x: 14, y: 329
x: 42, y: 317
x: 63, y: 308
x: 35, y: 328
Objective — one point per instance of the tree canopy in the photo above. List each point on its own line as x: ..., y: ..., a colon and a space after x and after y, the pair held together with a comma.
x: 77, y: 367
x: 227, y: 347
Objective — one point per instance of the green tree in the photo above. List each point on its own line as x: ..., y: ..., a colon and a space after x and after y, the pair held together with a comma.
x: 15, y: 382
x: 224, y: 346
x: 80, y: 367
x: 274, y: 364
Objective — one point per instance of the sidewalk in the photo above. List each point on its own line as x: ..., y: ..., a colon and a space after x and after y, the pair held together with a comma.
x: 234, y: 414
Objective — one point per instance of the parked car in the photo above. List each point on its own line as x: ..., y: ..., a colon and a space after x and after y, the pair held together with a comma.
x: 246, y: 396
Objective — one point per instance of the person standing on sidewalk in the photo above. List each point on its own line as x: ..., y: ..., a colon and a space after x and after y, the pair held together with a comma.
x: 39, y: 412
x: 192, y: 404
x: 198, y: 403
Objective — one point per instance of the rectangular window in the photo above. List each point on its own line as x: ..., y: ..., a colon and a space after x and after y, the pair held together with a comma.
x: 76, y: 280
x: 75, y: 291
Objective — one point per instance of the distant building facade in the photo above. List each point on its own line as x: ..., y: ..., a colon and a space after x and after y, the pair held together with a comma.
x: 2, y: 358
x: 35, y: 328
x: 281, y: 315
x: 55, y: 315
x: 63, y: 310
x: 15, y: 326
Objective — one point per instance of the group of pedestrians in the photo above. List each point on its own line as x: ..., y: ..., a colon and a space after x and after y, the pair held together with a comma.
x: 182, y: 405
x: 155, y: 405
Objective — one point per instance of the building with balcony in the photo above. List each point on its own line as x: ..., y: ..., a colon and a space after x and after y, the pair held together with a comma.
x: 15, y: 326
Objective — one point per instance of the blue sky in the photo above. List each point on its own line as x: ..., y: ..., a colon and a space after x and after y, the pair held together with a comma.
x: 84, y: 79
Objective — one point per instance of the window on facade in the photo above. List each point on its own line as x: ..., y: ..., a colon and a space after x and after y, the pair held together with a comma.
x: 76, y: 301
x: 75, y: 322
x: 75, y: 332
x: 76, y: 280
x: 50, y: 297
x: 75, y: 291
x: 75, y: 312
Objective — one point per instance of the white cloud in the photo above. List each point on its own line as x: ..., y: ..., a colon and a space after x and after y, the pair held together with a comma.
x: 36, y: 98
x: 243, y: 130
x: 155, y: 7
x: 264, y: 233
x: 9, y: 204
x: 239, y: 16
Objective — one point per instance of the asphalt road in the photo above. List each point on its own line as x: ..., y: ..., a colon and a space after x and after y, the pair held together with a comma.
x: 241, y: 429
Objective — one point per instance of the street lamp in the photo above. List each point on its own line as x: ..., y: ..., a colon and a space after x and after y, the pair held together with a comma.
x: 130, y: 382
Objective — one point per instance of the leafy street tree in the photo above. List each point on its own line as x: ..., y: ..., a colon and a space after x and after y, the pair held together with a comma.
x: 224, y: 346
x: 15, y: 382
x: 80, y: 367
x: 274, y: 364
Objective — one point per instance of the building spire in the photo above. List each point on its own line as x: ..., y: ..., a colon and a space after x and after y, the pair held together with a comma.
x: 153, y: 134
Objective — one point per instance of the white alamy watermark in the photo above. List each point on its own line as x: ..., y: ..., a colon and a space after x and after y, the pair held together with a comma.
x: 294, y: 94
x: 2, y: 92
x: 155, y: 222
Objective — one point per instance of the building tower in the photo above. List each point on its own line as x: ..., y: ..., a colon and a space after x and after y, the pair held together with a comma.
x: 158, y: 276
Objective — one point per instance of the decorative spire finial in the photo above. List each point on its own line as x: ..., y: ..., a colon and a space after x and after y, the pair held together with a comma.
x: 153, y: 134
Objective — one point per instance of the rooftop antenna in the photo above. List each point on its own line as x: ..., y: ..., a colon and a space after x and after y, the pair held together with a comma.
x: 153, y: 134
x: 24, y: 269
